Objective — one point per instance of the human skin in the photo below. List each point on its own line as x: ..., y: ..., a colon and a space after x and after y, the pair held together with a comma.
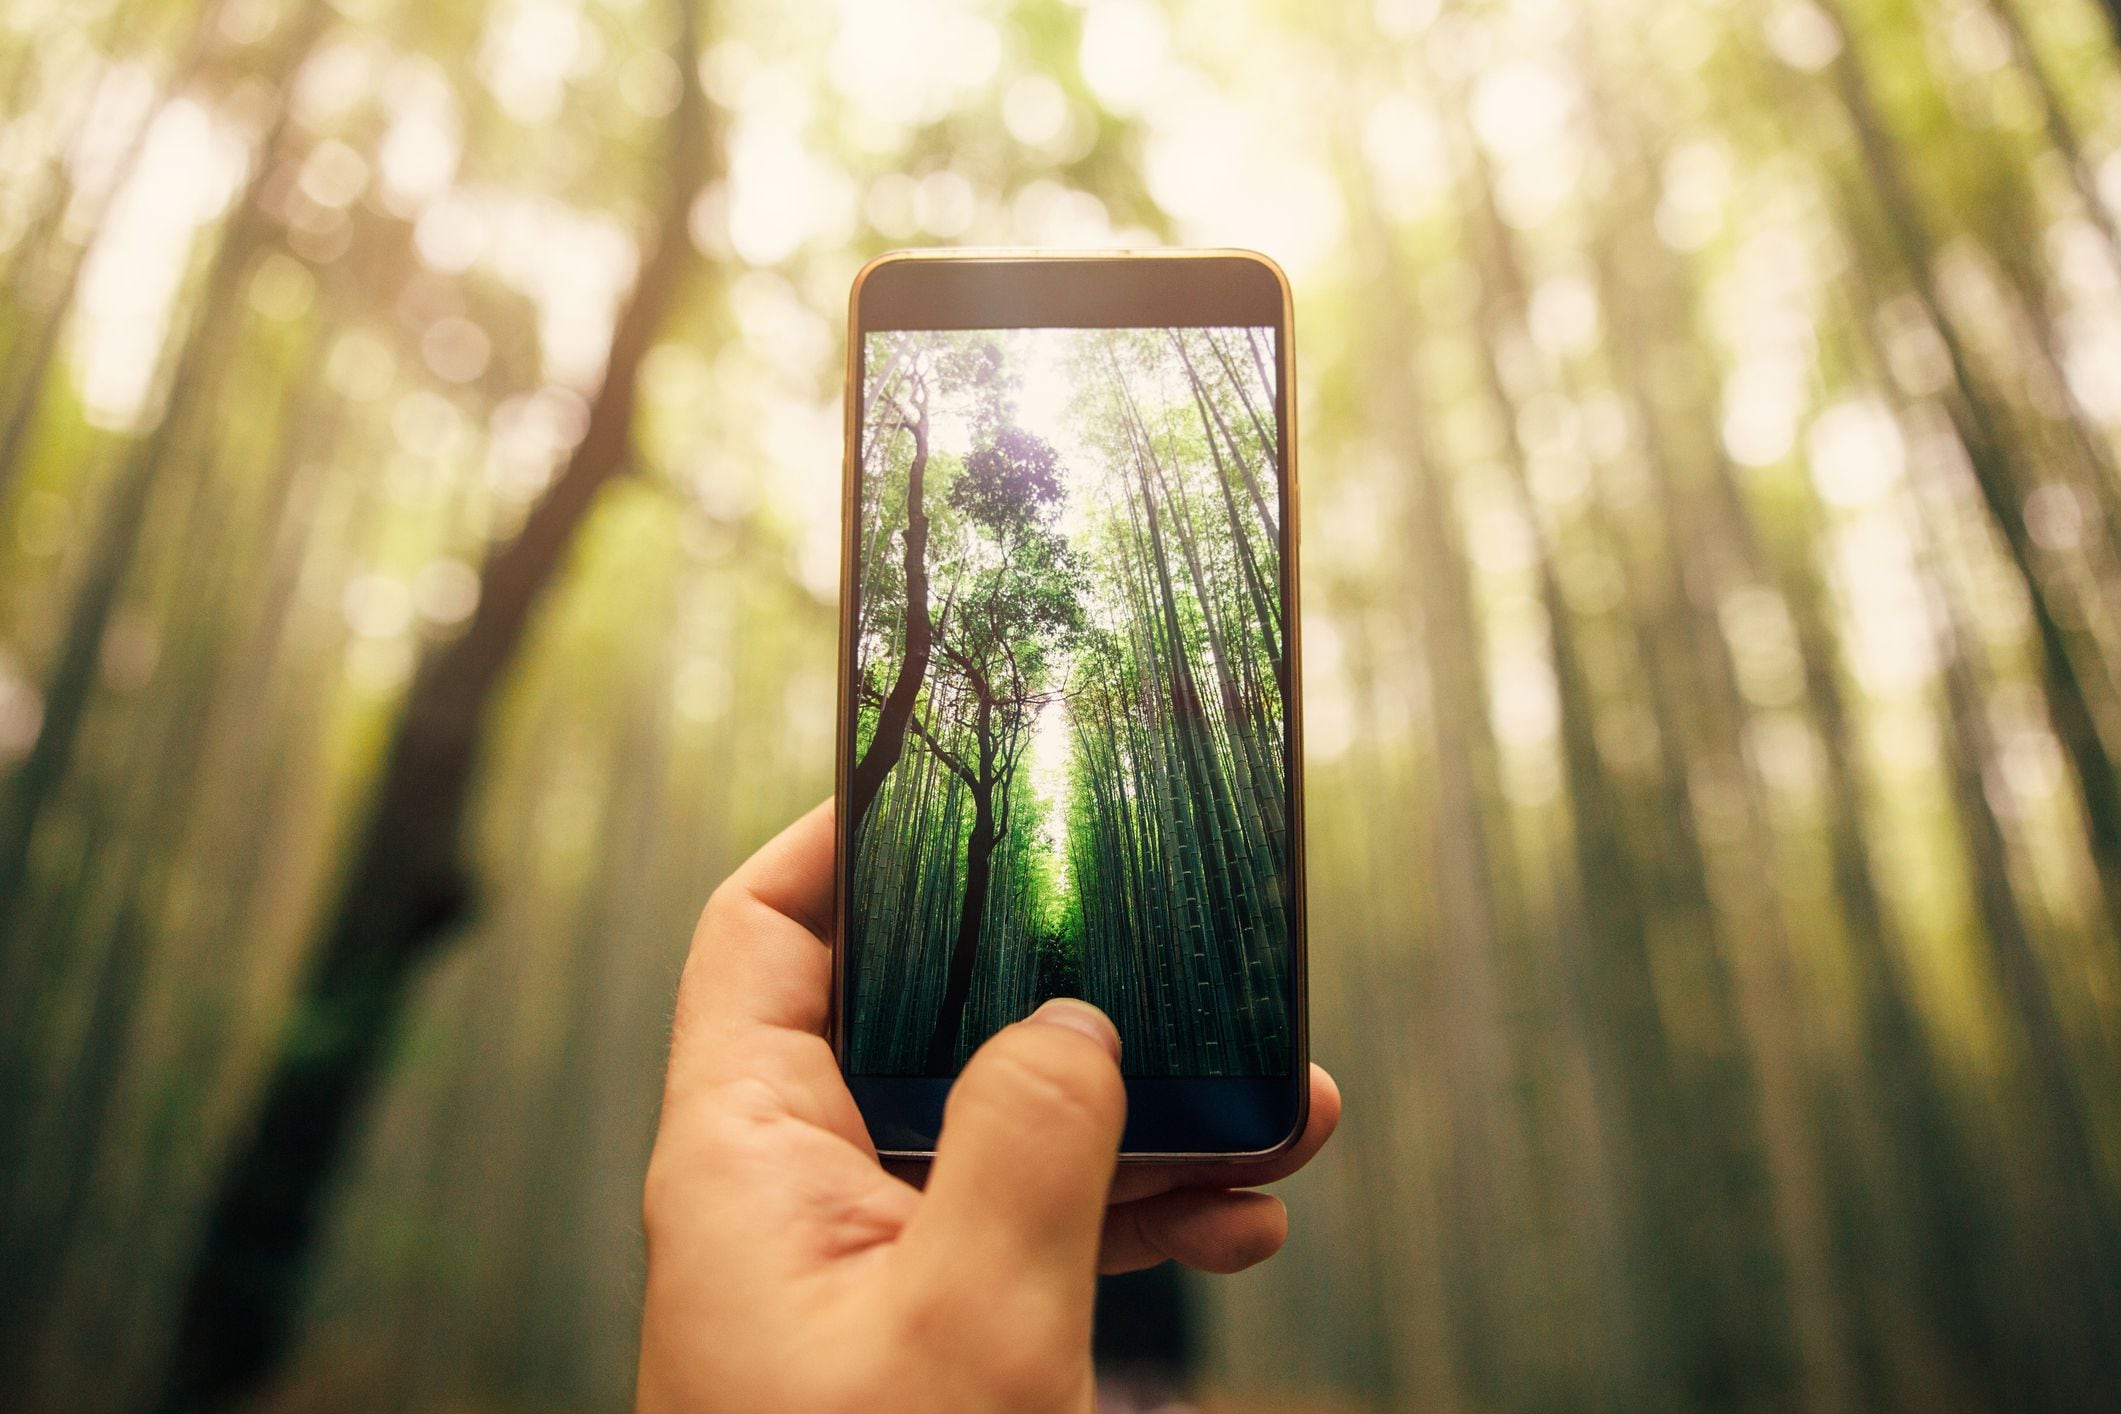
x: 789, y: 1270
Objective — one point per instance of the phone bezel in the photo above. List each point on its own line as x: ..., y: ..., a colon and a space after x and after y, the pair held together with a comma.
x: 1190, y: 1119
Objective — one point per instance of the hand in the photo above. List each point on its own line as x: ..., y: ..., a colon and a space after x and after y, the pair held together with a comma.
x: 787, y: 1270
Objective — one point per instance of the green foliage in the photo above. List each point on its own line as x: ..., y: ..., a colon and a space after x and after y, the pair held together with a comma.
x: 1713, y: 894
x: 1167, y: 879
x: 1008, y: 481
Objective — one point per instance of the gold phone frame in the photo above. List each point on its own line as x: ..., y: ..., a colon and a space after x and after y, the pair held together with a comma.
x: 843, y: 729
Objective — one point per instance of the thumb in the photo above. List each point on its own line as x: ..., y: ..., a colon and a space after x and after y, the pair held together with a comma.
x: 1029, y: 1142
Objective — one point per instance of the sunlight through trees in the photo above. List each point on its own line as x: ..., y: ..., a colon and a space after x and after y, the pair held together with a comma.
x: 1100, y: 588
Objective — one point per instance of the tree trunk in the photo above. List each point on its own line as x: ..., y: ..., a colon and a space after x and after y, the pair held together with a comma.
x: 890, y: 739
x: 1269, y: 623
x: 1268, y: 452
x: 2113, y: 16
x: 196, y: 367
x: 972, y: 912
x: 1980, y: 430
x: 408, y: 884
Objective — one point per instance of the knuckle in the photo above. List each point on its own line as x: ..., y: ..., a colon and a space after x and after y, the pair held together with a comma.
x: 721, y: 1126
x: 1130, y: 1235
x: 721, y: 902
x: 691, y: 977
x: 660, y: 1193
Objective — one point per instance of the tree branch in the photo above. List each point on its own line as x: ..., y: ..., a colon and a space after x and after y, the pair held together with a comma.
x: 943, y: 753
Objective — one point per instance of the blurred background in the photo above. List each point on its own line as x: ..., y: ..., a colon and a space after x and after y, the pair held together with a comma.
x: 419, y: 460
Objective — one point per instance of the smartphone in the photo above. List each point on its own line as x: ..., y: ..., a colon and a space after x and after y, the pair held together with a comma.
x: 1069, y: 738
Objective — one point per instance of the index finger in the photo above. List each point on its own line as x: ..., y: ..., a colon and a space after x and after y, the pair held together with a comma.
x: 760, y: 955
x: 1148, y: 1180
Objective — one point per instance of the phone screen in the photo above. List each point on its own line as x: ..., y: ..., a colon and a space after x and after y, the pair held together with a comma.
x: 1070, y: 747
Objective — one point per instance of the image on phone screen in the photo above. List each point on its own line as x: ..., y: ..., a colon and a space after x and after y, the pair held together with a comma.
x: 1070, y: 755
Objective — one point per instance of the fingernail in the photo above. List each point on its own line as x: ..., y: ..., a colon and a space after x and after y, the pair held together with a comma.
x: 1080, y: 1016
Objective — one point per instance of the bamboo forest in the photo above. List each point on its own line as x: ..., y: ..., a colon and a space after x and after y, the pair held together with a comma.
x: 421, y: 438
x: 1068, y: 775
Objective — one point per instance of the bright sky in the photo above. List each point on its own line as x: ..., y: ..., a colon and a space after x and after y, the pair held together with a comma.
x: 1041, y: 407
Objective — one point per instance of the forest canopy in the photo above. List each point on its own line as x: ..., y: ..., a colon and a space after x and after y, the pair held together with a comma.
x: 1069, y: 736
